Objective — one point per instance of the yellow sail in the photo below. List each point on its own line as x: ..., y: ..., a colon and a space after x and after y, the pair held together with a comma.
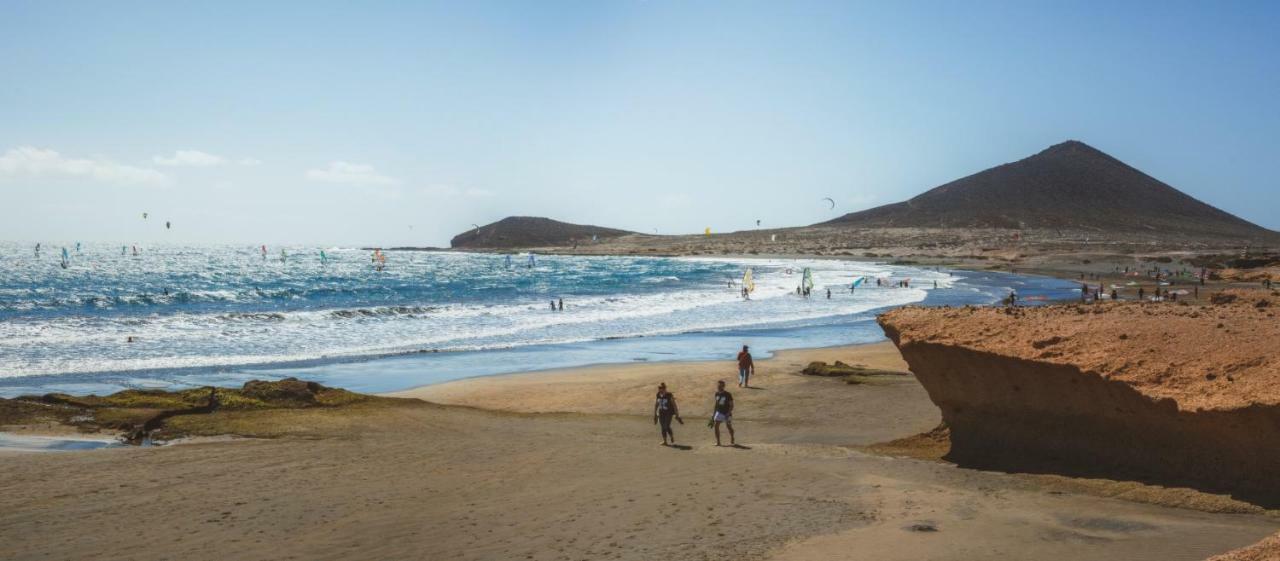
x: 747, y: 282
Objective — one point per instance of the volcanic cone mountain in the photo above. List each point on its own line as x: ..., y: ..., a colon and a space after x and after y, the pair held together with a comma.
x: 1067, y: 186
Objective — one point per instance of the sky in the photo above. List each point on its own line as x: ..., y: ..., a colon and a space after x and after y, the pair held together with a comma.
x: 369, y: 123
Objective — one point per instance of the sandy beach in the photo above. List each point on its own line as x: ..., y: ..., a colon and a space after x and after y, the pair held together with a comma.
x: 567, y: 465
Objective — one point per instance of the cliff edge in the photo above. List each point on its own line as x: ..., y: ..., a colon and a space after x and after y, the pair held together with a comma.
x: 1165, y: 393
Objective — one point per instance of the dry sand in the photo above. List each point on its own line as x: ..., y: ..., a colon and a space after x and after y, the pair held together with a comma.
x: 566, y: 466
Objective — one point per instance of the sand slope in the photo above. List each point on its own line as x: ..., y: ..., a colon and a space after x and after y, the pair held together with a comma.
x: 406, y: 480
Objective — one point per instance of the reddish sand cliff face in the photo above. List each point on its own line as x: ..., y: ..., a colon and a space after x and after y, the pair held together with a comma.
x: 1172, y: 394
x: 1265, y: 550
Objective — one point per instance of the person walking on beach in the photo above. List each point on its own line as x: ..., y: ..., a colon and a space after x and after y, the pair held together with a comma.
x: 665, y: 409
x: 746, y: 367
x: 723, y: 412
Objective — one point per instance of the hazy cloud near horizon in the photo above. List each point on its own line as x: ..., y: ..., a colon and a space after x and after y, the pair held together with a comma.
x: 403, y: 125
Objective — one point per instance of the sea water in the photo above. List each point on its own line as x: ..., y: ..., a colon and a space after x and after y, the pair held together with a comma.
x: 178, y: 316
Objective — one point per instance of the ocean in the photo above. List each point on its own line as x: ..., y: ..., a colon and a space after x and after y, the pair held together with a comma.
x: 180, y: 316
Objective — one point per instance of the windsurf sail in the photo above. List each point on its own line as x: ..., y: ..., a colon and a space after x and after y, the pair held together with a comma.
x: 773, y: 237
x: 748, y: 283
x: 532, y: 260
x: 323, y: 258
x: 508, y: 261
x: 858, y: 281
x: 807, y: 281
x: 708, y: 231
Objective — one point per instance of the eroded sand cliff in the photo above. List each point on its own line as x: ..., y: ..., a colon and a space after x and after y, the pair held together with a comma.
x: 1160, y: 392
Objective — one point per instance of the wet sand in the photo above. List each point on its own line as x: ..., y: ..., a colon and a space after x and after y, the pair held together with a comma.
x: 567, y: 466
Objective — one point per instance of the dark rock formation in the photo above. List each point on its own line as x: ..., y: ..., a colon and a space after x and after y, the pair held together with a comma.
x: 529, y: 231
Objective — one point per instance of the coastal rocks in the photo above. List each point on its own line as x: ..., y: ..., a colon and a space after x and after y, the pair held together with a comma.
x: 289, y: 391
x: 852, y: 374
x: 1149, y: 392
x: 140, y: 414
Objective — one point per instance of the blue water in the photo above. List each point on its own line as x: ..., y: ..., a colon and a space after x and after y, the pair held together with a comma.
x: 224, y: 315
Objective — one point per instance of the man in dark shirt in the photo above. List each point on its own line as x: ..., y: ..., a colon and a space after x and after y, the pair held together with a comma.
x: 745, y: 368
x: 664, y: 409
x: 723, y: 412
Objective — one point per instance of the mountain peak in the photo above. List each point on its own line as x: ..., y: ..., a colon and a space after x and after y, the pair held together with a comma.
x: 1067, y: 185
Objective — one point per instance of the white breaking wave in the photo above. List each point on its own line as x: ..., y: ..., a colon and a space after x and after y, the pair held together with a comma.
x: 96, y: 343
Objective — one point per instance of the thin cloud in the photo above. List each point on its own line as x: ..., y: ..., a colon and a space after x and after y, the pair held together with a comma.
x: 351, y: 174
x: 193, y: 158
x: 30, y: 161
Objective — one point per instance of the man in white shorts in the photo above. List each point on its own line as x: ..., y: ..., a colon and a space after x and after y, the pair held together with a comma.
x: 723, y: 412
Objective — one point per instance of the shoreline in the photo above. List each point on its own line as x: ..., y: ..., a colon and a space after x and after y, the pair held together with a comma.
x: 392, y: 371
x: 874, y: 347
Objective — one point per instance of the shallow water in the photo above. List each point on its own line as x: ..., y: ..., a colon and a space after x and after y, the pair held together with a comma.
x: 223, y: 315
x: 23, y: 443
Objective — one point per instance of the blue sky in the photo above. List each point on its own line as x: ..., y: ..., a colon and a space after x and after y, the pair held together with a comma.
x: 403, y: 123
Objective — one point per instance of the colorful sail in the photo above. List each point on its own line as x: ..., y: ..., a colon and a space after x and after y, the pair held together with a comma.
x: 807, y: 282
x: 858, y: 281
x: 748, y: 283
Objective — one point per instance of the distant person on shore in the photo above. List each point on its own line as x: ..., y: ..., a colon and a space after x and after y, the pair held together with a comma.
x: 746, y: 367
x: 1114, y: 295
x: 828, y: 294
x: 723, y: 412
x: 665, y: 409
x: 1141, y: 293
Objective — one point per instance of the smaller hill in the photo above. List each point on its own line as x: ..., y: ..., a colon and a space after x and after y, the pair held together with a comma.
x: 531, y: 231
